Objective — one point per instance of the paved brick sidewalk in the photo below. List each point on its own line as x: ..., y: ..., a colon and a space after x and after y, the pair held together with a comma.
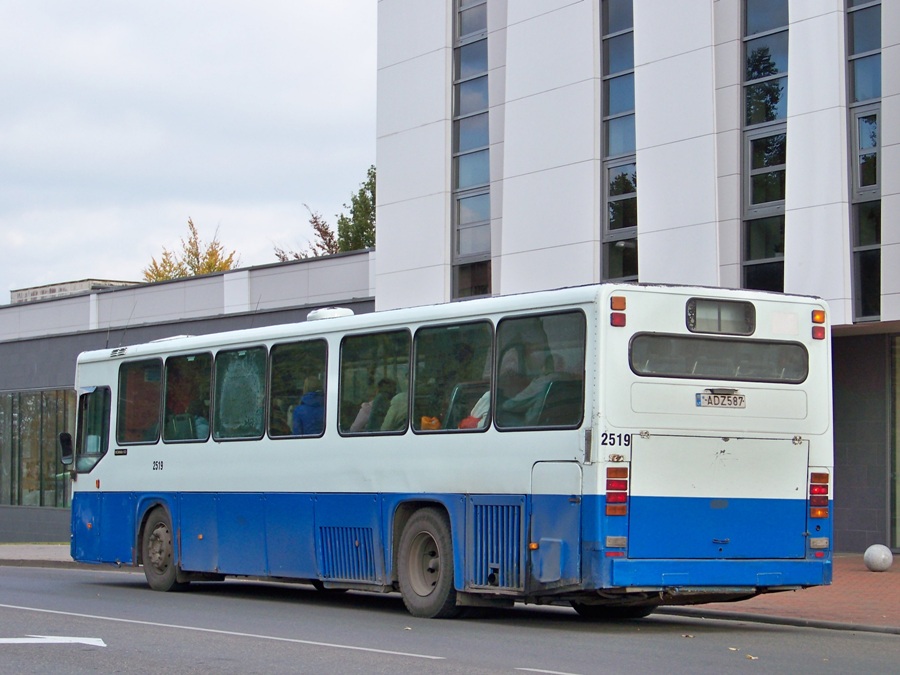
x: 856, y: 597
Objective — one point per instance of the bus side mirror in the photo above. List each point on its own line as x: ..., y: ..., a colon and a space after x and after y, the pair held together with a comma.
x: 66, y: 451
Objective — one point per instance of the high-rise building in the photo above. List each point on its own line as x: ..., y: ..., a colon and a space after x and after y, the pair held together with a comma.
x: 767, y: 138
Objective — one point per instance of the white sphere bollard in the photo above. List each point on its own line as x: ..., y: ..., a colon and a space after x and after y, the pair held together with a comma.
x: 878, y: 558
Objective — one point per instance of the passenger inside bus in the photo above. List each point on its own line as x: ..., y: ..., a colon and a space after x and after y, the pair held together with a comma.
x: 478, y: 416
x: 379, y: 405
x: 524, y: 407
x: 397, y: 414
x: 308, y: 417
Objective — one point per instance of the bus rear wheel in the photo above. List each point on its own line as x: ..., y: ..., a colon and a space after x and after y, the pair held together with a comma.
x: 607, y: 613
x: 158, y: 553
x: 425, y: 566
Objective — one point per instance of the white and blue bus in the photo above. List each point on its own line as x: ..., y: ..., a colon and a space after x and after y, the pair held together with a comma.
x: 613, y: 447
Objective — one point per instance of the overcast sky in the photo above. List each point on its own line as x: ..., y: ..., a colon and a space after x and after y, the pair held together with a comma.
x: 119, y: 120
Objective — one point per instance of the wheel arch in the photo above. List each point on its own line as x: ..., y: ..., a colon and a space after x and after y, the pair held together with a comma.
x: 143, y: 509
x: 401, y: 514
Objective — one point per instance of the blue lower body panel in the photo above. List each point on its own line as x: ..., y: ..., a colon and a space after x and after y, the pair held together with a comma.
x: 516, y: 545
x: 703, y: 527
x: 719, y: 573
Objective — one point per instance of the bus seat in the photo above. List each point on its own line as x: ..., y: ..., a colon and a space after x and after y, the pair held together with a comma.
x: 563, y: 403
x: 463, y: 397
x: 180, y: 427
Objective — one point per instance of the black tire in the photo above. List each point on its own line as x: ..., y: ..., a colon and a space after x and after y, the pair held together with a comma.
x: 425, y: 566
x: 158, y: 553
x: 608, y: 613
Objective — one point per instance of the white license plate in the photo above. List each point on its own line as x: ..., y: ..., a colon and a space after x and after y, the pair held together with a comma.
x: 721, y: 401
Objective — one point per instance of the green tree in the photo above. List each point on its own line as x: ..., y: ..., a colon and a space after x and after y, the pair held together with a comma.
x: 196, y: 258
x: 358, y: 230
x: 354, y: 232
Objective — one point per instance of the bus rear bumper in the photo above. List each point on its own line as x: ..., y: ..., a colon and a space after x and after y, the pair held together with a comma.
x: 754, y: 575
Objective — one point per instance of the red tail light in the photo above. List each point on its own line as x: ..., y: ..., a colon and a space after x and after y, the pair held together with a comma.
x: 617, y: 490
x: 617, y: 316
x: 819, y: 483
x: 818, y: 329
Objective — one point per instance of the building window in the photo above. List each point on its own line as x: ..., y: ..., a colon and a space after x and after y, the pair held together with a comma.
x: 30, y: 472
x: 471, y: 155
x: 765, y: 142
x: 864, y: 82
x: 620, y: 259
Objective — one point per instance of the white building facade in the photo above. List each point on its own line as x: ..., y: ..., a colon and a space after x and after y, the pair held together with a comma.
x: 766, y: 135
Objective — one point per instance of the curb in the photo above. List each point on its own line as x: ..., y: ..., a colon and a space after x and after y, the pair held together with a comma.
x: 67, y: 564
x: 698, y: 613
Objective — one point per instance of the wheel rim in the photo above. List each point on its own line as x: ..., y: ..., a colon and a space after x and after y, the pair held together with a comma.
x: 159, y: 548
x: 424, y: 564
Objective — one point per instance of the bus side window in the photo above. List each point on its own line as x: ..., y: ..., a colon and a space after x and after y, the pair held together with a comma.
x: 137, y: 417
x: 240, y: 396
x: 540, y: 381
x: 187, y: 398
x: 297, y: 389
x: 452, y: 374
x: 374, y: 386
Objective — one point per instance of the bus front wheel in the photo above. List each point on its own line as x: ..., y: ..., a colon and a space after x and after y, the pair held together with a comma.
x: 425, y: 566
x: 158, y: 552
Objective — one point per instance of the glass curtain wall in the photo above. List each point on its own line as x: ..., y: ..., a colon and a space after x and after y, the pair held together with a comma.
x: 471, y: 154
x: 765, y: 46
x: 864, y: 95
x: 30, y: 471
x: 620, y: 256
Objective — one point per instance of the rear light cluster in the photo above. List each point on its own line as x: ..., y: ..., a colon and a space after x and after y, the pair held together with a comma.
x: 818, y: 329
x: 617, y: 316
x: 617, y: 490
x: 818, y: 495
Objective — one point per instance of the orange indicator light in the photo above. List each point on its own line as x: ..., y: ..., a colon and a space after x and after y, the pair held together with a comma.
x: 818, y: 316
x: 821, y: 478
x: 617, y: 303
x: 617, y: 509
x: 818, y: 512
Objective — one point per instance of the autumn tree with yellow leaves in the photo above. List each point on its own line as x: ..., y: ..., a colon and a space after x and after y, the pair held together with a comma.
x: 196, y: 258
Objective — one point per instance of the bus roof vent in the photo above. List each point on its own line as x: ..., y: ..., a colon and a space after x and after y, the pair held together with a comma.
x: 328, y: 313
x: 117, y: 352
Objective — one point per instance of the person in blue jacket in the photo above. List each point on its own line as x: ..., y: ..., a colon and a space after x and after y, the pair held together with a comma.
x: 308, y: 418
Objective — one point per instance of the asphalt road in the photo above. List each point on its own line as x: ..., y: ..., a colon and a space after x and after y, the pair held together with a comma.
x: 109, y: 621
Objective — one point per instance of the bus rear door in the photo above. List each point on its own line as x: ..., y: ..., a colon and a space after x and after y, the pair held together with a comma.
x: 718, y: 497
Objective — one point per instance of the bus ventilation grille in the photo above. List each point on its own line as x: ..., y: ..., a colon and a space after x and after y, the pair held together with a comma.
x: 497, y: 550
x: 347, y: 553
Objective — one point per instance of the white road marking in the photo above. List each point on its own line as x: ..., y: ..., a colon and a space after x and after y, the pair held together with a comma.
x: 52, y: 640
x: 225, y: 632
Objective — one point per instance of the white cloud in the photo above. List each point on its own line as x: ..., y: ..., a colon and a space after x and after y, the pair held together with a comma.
x: 121, y: 120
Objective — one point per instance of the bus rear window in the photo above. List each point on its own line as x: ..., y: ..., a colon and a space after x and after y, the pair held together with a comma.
x: 680, y: 356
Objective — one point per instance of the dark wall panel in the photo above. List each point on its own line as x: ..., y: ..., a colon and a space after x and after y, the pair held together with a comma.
x: 49, y: 363
x: 860, y: 442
